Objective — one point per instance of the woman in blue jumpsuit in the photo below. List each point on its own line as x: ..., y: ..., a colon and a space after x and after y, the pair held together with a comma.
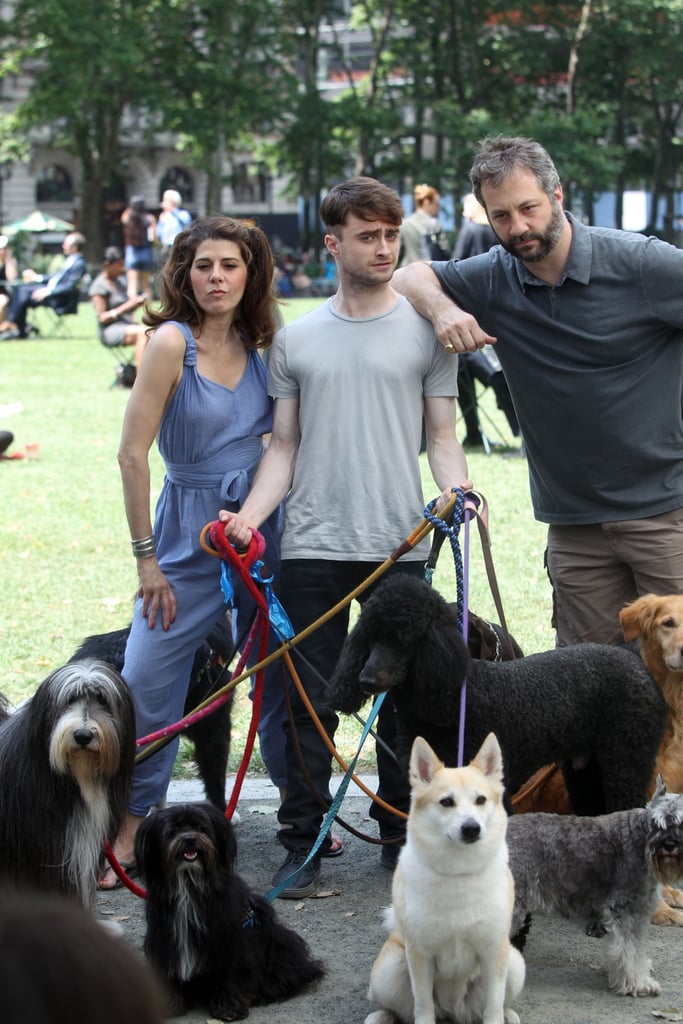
x: 201, y: 393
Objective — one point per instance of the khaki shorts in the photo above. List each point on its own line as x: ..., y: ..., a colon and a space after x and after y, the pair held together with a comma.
x: 596, y: 569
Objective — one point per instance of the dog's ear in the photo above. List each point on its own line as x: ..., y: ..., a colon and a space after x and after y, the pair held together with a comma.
x: 225, y: 835
x: 424, y: 764
x: 636, y: 618
x: 489, y: 758
x: 660, y: 790
x: 344, y: 692
x: 144, y: 843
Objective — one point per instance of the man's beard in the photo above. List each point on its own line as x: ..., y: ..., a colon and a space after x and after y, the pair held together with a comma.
x: 547, y: 241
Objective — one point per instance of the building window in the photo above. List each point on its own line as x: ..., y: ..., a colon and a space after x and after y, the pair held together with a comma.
x: 54, y: 185
x: 181, y: 180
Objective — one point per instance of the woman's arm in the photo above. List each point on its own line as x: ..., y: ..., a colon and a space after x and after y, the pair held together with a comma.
x: 158, y: 377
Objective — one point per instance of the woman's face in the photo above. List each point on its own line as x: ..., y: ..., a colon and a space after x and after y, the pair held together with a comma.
x: 218, y: 276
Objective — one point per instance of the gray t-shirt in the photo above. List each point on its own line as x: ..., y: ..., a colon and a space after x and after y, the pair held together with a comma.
x: 594, y: 367
x: 360, y: 383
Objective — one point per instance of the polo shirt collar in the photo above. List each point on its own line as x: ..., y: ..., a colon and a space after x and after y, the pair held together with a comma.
x: 578, y: 265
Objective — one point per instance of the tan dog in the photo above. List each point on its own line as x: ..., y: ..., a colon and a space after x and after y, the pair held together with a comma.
x: 449, y: 956
x: 658, y: 623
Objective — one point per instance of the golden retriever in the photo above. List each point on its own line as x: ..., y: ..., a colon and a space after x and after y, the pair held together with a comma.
x: 658, y: 623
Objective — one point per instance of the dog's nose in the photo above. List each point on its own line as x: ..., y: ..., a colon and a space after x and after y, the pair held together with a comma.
x: 470, y: 831
x: 83, y: 737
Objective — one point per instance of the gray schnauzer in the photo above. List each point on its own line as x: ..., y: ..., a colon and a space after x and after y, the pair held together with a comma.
x: 607, y: 869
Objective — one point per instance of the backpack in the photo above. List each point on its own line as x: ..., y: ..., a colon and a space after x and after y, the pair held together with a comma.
x: 435, y: 246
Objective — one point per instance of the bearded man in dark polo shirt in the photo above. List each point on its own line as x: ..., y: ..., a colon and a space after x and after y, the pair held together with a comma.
x: 588, y: 324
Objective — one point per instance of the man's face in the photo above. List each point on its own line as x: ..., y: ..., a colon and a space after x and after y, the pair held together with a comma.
x: 527, y: 221
x: 366, y: 251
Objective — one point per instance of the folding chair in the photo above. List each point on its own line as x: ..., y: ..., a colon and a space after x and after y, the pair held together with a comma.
x: 125, y: 364
x: 51, y: 320
x: 472, y: 400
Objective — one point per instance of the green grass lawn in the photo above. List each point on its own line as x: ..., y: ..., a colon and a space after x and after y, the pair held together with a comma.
x: 65, y: 560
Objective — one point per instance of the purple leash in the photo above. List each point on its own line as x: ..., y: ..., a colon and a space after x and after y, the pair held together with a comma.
x: 470, y: 509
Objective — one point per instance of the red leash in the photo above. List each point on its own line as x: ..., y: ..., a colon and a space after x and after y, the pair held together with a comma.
x: 243, y: 563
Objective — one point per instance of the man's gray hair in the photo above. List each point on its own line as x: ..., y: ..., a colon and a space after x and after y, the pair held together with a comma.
x: 498, y: 156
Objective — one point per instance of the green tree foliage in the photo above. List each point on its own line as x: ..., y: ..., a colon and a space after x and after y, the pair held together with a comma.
x: 597, y: 81
x: 89, y: 62
x: 226, y: 81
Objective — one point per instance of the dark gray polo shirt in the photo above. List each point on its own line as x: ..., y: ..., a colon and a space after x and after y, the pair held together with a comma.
x: 594, y: 366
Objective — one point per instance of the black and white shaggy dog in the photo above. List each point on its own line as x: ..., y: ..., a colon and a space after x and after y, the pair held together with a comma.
x: 211, y: 734
x: 66, y: 764
x: 593, y: 709
x: 214, y: 941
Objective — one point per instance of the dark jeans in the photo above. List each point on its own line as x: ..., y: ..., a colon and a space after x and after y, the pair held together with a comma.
x: 308, y: 589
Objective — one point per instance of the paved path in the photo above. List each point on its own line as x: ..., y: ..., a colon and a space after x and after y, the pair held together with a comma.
x: 565, y: 976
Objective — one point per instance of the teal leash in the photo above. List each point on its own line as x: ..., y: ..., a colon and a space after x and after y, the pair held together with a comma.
x: 336, y: 803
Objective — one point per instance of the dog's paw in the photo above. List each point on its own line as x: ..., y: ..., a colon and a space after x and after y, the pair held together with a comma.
x: 667, y: 916
x: 381, y: 1017
x: 673, y: 897
x: 223, y: 1008
x: 629, y: 986
x: 511, y: 1017
x: 596, y: 929
x: 647, y: 987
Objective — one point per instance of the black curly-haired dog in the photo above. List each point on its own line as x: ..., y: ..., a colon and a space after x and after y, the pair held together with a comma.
x: 592, y: 708
x: 211, y: 734
x: 215, y: 941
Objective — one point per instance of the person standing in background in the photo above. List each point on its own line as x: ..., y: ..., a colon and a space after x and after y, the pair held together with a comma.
x: 172, y: 220
x: 475, y: 237
x: 422, y: 237
x: 476, y: 234
x: 138, y: 236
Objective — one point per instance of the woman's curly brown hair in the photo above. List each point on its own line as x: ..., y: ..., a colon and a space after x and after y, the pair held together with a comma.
x: 256, y: 314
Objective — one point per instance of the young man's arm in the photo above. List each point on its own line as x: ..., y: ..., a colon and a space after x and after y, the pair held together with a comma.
x: 444, y: 453
x: 456, y: 329
x: 273, y: 477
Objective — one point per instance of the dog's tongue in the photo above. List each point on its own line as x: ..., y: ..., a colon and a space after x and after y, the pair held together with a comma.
x: 190, y: 854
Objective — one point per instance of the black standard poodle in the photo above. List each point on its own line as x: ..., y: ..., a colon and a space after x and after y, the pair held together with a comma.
x: 592, y: 708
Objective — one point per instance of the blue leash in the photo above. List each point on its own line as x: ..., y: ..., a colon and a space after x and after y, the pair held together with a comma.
x: 336, y: 803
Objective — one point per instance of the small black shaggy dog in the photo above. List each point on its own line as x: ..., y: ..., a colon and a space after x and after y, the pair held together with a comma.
x: 592, y: 708
x: 66, y: 764
x: 211, y: 734
x: 214, y: 941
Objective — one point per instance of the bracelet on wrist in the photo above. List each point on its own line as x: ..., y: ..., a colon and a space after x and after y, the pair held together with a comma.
x: 144, y: 548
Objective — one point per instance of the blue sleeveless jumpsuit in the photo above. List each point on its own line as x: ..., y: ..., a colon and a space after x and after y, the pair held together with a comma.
x: 210, y: 441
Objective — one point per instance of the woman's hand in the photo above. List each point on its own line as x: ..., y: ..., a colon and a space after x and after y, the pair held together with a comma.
x: 156, y: 593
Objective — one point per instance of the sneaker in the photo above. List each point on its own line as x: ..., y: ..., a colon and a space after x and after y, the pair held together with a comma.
x: 302, y: 882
